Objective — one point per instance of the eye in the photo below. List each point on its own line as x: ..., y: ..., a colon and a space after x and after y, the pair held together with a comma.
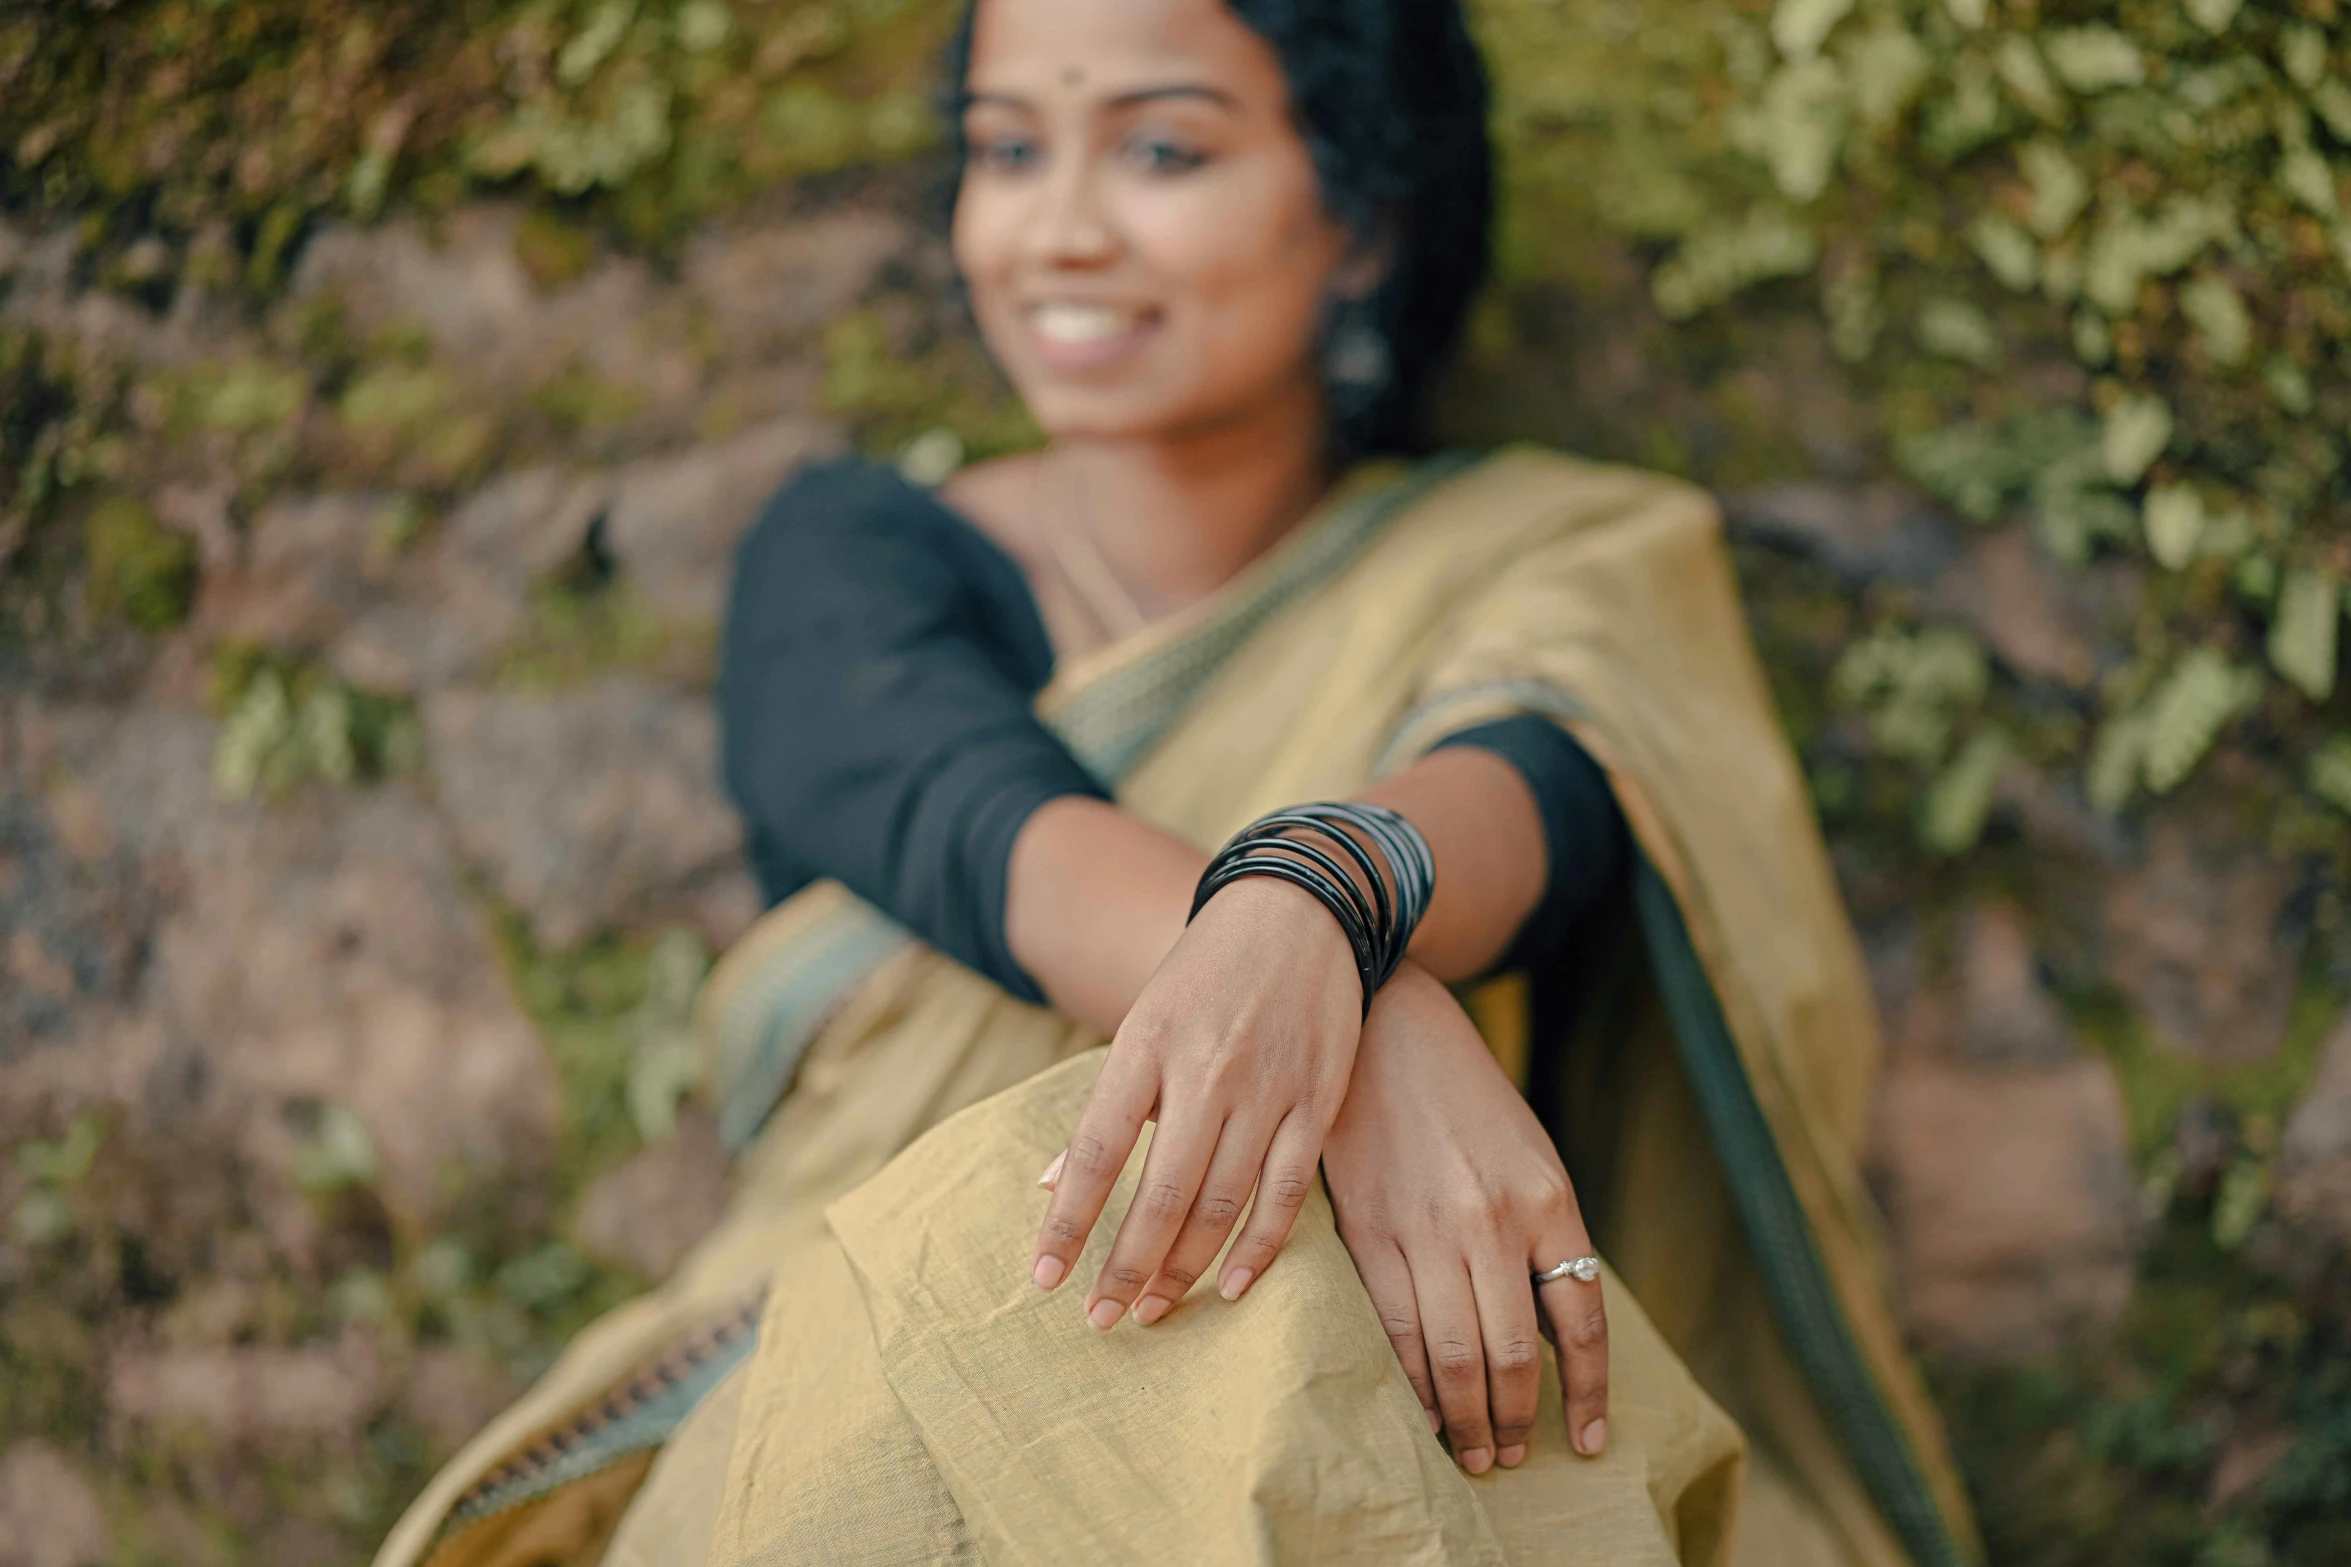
x: 1156, y: 153
x: 1004, y: 154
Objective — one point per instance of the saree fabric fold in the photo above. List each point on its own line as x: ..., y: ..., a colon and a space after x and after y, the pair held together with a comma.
x: 907, y: 1395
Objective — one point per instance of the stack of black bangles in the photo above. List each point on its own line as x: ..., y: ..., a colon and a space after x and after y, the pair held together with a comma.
x: 1297, y: 846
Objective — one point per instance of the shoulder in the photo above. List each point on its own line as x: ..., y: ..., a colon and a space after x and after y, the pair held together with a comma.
x: 1582, y: 490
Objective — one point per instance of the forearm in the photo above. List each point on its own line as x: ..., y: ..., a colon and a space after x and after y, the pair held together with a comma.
x: 1095, y: 898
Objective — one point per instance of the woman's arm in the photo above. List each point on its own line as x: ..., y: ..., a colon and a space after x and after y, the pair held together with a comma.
x: 1095, y: 899
x: 1239, y: 1037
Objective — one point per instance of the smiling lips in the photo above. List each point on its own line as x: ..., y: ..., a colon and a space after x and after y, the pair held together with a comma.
x: 1071, y: 335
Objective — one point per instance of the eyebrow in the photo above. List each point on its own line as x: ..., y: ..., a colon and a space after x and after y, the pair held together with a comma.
x: 1125, y: 100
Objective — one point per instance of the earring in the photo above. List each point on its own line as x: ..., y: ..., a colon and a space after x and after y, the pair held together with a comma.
x: 1355, y: 355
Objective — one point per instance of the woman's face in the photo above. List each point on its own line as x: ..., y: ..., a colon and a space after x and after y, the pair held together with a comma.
x: 1138, y: 223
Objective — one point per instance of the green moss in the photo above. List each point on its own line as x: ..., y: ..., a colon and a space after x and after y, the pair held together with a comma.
x: 139, y: 569
x: 554, y: 252
x: 2157, y: 1083
x: 288, y: 721
x: 577, y: 630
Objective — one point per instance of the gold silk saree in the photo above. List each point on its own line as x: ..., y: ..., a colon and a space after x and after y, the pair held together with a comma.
x: 854, y: 1366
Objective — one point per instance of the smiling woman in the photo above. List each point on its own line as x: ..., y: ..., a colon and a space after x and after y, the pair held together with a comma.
x: 1535, y: 957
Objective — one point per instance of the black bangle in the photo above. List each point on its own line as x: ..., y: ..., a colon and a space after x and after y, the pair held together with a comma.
x: 1402, y: 875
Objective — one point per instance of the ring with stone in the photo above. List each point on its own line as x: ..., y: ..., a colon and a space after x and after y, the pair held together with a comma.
x: 1585, y: 1269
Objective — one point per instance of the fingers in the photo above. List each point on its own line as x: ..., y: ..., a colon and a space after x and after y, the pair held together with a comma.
x: 1172, y: 1172
x: 1287, y: 1176
x: 1457, y: 1357
x: 1224, y: 1192
x: 1106, y: 1131
x: 1513, y: 1339
x: 1579, y: 1326
x: 1387, y: 1279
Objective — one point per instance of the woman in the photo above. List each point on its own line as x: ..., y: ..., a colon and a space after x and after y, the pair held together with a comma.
x: 987, y: 743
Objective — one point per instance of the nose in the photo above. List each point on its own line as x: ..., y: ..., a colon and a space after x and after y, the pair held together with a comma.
x: 1070, y: 226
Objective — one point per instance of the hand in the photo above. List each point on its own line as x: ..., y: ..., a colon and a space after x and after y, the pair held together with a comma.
x: 1450, y: 1197
x: 1239, y: 1047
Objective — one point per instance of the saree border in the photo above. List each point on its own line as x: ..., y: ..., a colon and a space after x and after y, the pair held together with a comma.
x: 640, y: 1414
x: 768, y: 1025
x: 1780, y: 1233
x: 1110, y: 723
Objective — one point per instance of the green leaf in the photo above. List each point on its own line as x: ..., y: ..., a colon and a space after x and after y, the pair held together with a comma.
x: 1715, y: 263
x: 2094, y: 59
x: 2304, y: 175
x: 1956, y: 329
x: 2174, y: 518
x: 587, y: 48
x: 2303, y: 52
x: 2201, y: 696
x: 2302, y: 637
x: 1886, y: 69
x: 2117, y: 760
x: 2214, y: 16
x: 2003, y: 246
x: 1800, y: 27
x: 2136, y: 430
x: 2329, y: 773
x: 338, y: 1153
x: 2027, y: 77
x: 1951, y: 819
x: 1799, y: 127
x: 2218, y: 313
x: 2060, y: 189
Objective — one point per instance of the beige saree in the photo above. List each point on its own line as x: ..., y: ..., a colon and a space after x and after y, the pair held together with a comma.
x: 854, y: 1367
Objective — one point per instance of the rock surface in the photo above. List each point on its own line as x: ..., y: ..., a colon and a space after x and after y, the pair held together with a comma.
x: 646, y: 1212
x: 2195, y: 941
x: 49, y: 1516
x: 2012, y: 1203
x: 642, y: 837
x: 2314, y: 1157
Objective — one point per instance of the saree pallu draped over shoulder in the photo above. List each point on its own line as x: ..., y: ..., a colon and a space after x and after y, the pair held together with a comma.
x: 855, y: 1368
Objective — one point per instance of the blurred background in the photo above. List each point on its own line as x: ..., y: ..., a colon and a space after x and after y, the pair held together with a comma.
x: 382, y: 384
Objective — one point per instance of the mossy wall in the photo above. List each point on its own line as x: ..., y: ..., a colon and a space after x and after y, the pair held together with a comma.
x: 2076, y: 274
x: 2079, y: 269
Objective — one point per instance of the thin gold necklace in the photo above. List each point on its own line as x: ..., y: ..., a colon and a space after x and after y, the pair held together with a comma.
x: 1086, y: 569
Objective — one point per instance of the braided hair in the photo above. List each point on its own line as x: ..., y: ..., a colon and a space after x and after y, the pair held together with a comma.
x: 1390, y: 97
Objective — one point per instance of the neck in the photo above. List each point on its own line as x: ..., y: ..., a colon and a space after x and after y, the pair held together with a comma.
x: 1178, y: 516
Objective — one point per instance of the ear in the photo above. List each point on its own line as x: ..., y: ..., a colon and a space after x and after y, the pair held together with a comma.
x: 1365, y: 265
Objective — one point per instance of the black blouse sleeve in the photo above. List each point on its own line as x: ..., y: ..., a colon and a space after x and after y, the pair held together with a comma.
x: 875, y: 680
x: 1584, y: 831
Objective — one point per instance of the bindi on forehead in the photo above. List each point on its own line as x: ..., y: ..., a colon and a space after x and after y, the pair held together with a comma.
x: 1073, y: 77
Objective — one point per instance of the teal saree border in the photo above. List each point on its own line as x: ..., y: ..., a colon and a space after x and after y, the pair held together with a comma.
x: 1781, y: 1235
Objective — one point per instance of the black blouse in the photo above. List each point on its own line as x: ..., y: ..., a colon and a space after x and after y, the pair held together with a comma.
x: 876, y: 677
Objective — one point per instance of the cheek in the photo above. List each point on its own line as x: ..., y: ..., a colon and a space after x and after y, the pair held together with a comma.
x: 986, y: 243
x: 1248, y: 278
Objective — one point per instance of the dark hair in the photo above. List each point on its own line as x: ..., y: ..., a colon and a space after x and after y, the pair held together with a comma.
x: 1390, y: 96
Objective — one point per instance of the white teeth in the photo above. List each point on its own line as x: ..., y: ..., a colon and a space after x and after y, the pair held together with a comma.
x: 1065, y: 323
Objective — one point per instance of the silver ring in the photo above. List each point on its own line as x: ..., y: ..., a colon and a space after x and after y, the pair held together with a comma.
x: 1585, y: 1269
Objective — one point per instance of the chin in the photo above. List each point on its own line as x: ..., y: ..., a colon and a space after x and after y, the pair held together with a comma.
x: 1091, y: 414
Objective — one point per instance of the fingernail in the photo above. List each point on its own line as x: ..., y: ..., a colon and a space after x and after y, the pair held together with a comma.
x: 1436, y: 1421
x: 1234, y: 1283
x: 1477, y: 1460
x: 1053, y: 1170
x: 1106, y: 1313
x: 1150, y: 1309
x: 1049, y: 1272
x: 1595, y: 1437
x: 1512, y: 1457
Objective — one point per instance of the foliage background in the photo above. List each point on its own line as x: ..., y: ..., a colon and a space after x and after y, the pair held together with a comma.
x: 2013, y: 334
